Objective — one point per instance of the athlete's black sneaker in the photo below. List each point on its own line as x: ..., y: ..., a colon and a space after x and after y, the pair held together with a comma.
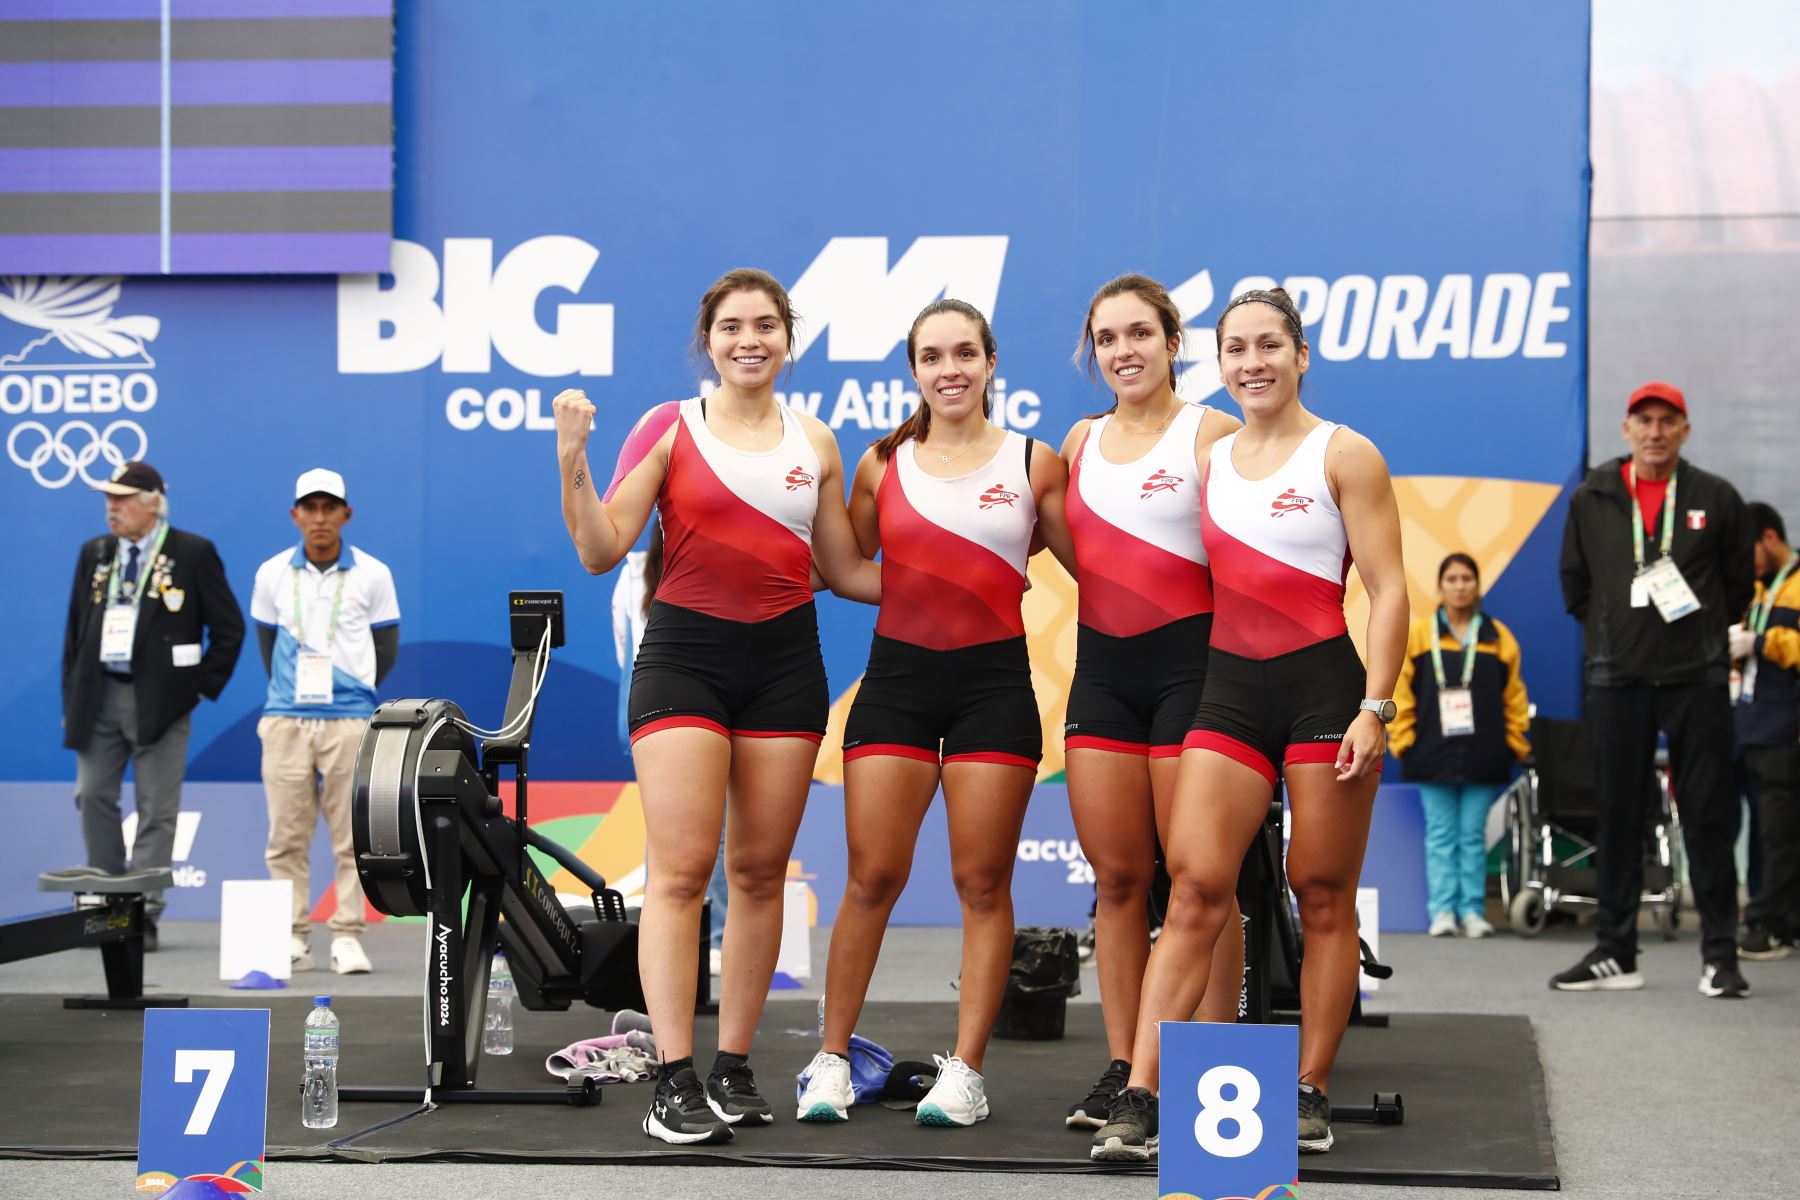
x: 1091, y: 1111
x: 1600, y: 971
x: 1315, y: 1120
x: 679, y: 1112
x: 1722, y: 981
x: 1762, y: 945
x: 1129, y: 1134
x: 731, y: 1093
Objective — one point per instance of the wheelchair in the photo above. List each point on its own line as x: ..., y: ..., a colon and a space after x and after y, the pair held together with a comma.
x: 1552, y: 816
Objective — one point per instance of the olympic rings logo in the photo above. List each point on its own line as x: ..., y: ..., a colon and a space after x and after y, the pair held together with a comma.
x: 73, y: 448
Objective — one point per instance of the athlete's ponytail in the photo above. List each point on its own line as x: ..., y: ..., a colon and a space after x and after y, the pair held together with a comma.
x: 1150, y: 292
x: 918, y: 423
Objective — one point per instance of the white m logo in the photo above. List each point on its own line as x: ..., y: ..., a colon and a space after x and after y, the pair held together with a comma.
x: 849, y: 290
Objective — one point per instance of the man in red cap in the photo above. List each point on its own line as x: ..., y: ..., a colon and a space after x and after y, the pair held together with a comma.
x: 1656, y: 564
x: 152, y: 627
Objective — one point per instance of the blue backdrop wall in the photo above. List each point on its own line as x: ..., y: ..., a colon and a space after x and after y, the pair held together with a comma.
x: 569, y: 179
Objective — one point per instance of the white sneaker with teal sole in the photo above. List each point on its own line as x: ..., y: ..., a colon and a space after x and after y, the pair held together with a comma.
x: 959, y: 1097
x: 827, y: 1095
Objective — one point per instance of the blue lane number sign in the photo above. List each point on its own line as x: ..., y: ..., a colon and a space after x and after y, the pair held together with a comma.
x: 1230, y: 1112
x: 203, y: 1103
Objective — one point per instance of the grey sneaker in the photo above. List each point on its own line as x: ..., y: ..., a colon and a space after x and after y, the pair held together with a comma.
x: 1762, y: 945
x: 1129, y: 1134
x: 1315, y: 1120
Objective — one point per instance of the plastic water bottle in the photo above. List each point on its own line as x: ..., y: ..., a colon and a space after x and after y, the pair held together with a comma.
x: 318, y: 1091
x: 497, y: 1025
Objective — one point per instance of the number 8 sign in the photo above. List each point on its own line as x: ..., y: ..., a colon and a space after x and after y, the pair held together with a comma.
x: 1230, y: 1112
x: 204, y: 1098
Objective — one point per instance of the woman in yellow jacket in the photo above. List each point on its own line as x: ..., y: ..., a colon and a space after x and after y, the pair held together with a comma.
x: 1460, y: 728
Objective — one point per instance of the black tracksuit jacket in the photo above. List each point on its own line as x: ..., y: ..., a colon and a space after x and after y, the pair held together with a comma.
x: 1712, y: 546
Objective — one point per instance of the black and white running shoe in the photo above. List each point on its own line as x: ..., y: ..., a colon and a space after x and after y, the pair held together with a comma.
x: 731, y: 1093
x: 1129, y: 1134
x: 1600, y: 971
x: 1315, y: 1120
x: 1723, y: 981
x: 1092, y: 1111
x: 679, y: 1113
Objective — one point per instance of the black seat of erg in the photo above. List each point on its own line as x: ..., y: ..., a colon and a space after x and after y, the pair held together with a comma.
x: 130, y: 883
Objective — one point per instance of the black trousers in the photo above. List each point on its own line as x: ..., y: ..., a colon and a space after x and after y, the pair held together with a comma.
x: 1623, y: 722
x: 1775, y: 786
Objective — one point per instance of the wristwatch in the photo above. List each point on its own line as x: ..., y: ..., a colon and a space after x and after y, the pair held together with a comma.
x: 1384, y: 710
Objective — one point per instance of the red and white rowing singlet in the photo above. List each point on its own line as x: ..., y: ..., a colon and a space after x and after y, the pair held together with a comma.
x: 953, y: 551
x: 1139, y: 556
x: 1279, y: 553
x: 737, y: 525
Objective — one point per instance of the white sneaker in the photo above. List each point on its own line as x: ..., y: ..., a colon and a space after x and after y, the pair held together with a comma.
x: 959, y: 1097
x: 1477, y: 927
x: 1443, y: 925
x: 828, y: 1095
x: 299, y: 954
x: 347, y: 957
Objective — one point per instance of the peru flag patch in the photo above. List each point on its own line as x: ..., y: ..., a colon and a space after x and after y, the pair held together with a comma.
x: 1696, y: 518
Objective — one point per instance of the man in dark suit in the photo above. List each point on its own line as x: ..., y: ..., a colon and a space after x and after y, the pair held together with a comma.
x: 134, y: 666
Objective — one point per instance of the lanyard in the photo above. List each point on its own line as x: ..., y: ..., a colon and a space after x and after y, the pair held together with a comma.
x: 1637, y: 519
x: 1437, y: 654
x: 145, y: 569
x: 1759, y: 613
x: 337, y: 604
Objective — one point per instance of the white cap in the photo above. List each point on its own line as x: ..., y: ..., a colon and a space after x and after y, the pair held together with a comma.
x: 320, y: 480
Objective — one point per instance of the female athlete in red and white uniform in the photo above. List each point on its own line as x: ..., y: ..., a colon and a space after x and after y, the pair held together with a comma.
x: 728, y: 694
x: 1140, y: 658
x: 1290, y: 502
x: 952, y: 502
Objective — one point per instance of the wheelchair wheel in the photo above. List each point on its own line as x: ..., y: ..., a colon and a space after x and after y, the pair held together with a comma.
x: 1527, y: 913
x: 1514, y: 872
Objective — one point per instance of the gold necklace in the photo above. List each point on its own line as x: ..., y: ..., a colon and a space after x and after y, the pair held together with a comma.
x: 950, y: 458
x: 1166, y: 422
x: 757, y: 427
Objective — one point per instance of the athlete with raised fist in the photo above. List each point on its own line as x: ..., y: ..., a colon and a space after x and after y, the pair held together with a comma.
x: 728, y: 693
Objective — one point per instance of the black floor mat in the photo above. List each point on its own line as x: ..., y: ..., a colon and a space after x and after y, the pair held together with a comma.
x: 1472, y: 1085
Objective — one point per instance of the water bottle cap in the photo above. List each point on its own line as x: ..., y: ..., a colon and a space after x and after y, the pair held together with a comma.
x: 321, y: 1001
x: 500, y: 954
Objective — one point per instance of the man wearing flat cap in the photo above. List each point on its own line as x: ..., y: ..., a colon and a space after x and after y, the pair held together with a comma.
x: 1657, y: 562
x: 152, y: 627
x: 328, y: 623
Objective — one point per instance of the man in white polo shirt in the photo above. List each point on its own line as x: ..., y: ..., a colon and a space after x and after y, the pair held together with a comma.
x: 329, y: 626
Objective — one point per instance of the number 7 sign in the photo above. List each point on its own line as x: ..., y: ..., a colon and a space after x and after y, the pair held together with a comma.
x: 204, y: 1098
x: 1229, y: 1112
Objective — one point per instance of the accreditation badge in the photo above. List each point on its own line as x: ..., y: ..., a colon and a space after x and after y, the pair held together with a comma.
x: 174, y: 598
x: 1456, y: 712
x: 1668, y: 591
x: 118, y: 629
x: 312, y: 677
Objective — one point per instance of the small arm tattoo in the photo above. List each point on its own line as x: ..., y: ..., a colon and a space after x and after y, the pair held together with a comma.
x: 580, y: 478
